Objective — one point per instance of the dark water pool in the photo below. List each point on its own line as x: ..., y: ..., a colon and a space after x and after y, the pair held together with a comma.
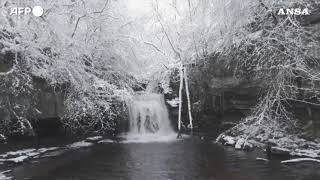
x: 188, y: 159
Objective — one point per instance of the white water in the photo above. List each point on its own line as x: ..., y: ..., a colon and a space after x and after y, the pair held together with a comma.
x: 149, y: 119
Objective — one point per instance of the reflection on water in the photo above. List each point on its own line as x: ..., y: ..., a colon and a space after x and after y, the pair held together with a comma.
x: 187, y: 159
x: 149, y: 138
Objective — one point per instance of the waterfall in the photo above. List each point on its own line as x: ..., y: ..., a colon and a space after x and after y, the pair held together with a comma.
x: 149, y: 115
x: 149, y: 119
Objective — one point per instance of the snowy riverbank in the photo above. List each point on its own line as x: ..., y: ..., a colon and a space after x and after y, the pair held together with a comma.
x: 286, y: 146
x: 23, y: 155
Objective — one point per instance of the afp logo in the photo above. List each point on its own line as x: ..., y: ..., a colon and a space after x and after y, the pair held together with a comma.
x: 294, y: 11
x: 24, y: 11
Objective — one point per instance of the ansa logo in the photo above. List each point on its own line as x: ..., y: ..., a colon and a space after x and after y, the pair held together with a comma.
x: 294, y: 11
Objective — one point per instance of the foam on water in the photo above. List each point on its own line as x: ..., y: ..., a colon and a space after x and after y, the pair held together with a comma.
x: 149, y: 138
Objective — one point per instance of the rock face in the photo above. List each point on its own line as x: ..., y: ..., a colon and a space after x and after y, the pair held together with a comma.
x: 50, y: 108
x: 42, y: 105
x: 50, y: 101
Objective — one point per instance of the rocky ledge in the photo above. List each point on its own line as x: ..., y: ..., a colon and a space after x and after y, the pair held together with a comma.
x: 287, y: 146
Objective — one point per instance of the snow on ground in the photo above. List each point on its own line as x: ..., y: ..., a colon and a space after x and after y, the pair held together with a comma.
x: 283, y: 144
x: 226, y: 140
x: 42, y: 150
x: 301, y: 160
x: 22, y: 155
x: 3, y: 176
x: 229, y: 140
x: 306, y: 152
x: 95, y: 138
x: 17, y: 153
x: 174, y: 102
x: 262, y: 159
x: 80, y: 144
x: 240, y: 143
x: 25, y: 154
x: 105, y: 141
x: 17, y: 159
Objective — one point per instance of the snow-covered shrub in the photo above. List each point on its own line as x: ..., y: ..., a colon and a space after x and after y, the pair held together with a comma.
x: 67, y: 47
x: 277, y: 54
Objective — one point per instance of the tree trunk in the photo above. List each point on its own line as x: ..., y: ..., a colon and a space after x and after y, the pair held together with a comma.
x: 180, y: 98
x: 188, y: 98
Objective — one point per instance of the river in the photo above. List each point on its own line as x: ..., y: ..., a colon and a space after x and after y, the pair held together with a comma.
x: 186, y: 159
x: 151, y: 151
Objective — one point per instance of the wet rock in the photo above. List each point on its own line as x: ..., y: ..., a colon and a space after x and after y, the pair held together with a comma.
x: 280, y: 151
x: 248, y: 146
x: 226, y: 140
x: 95, y: 139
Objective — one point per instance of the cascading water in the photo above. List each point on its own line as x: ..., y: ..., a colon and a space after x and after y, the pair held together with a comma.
x: 149, y: 119
x: 149, y: 114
